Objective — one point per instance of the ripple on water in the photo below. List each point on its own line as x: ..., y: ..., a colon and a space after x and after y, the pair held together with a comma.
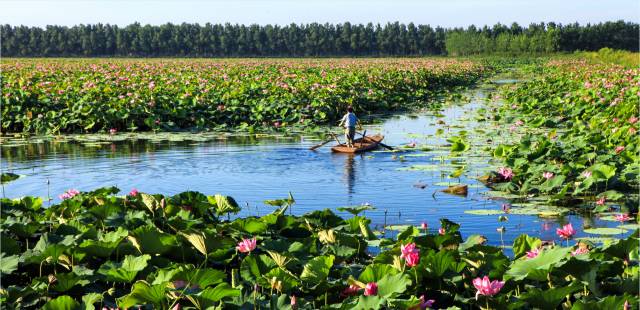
x: 255, y: 170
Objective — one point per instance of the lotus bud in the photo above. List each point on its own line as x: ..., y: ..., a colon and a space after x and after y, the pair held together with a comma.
x: 162, y: 203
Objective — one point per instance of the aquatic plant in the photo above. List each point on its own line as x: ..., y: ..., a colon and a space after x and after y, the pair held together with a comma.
x: 107, y: 95
x: 99, y: 249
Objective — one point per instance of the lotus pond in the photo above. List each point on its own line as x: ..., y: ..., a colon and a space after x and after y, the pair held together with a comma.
x: 334, y: 231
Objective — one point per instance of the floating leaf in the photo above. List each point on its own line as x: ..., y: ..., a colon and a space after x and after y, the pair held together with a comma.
x: 605, y: 231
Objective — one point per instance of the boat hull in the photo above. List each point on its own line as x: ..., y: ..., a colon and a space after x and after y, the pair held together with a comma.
x: 359, y: 145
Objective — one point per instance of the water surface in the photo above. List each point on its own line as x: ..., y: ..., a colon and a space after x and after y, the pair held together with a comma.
x: 253, y: 169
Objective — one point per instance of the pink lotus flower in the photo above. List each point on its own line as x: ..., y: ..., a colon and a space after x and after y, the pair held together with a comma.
x: 506, y: 173
x: 601, y: 201
x: 506, y: 207
x: 547, y: 175
x: 424, y: 304
x: 277, y: 124
x: 176, y: 307
x: 441, y: 231
x: 619, y: 149
x: 566, y: 232
x: 133, y: 192
x: 580, y: 251
x: 371, y: 289
x: 412, y: 259
x: 622, y: 217
x: 408, y: 249
x: 633, y: 120
x: 519, y: 123
x: 113, y: 131
x: 69, y: 194
x: 586, y: 174
x: 486, y: 287
x: 424, y: 226
x: 533, y: 253
x: 615, y: 120
x: 412, y: 144
x: 632, y: 131
x: 351, y: 290
x: 246, y: 245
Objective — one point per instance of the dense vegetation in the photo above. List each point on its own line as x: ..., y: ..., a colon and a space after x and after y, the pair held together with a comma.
x: 40, y: 96
x: 392, y: 39
x: 95, y: 249
x: 589, y: 146
x: 541, y: 38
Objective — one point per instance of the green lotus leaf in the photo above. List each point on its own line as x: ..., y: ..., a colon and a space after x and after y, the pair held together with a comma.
x: 537, y: 268
x: 66, y: 281
x: 605, y: 231
x: 484, y: 212
x: 550, y: 298
x: 375, y: 272
x: 151, y: 240
x: 601, y: 171
x: 62, y: 303
x: 606, y: 303
x: 142, y: 293
x: 201, y: 277
x: 8, y: 264
x: 7, y: 177
x: 393, y: 285
x: 90, y: 299
x: 224, y: 204
x: 287, y: 279
x: 317, y: 269
x: 525, y: 243
x: 212, y: 296
x: 125, y: 271
x: 250, y: 225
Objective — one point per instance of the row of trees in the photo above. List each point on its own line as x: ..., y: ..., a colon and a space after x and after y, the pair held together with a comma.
x: 542, y: 38
x: 392, y: 39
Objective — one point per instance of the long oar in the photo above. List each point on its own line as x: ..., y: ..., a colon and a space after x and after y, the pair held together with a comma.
x: 382, y: 144
x: 321, y: 144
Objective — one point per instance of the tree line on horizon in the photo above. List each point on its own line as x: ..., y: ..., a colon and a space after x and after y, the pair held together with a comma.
x: 346, y: 39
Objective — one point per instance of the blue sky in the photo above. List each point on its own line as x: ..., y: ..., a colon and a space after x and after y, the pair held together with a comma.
x: 448, y: 13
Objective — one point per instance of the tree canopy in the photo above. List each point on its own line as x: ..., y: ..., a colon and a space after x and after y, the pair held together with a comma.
x: 299, y: 40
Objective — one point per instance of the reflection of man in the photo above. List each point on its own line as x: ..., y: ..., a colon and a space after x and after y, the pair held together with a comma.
x: 349, y: 122
x: 349, y: 172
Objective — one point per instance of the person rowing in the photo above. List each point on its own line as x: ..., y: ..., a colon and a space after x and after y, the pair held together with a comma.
x: 349, y: 121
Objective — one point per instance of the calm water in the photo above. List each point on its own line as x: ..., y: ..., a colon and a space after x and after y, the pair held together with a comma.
x: 255, y: 169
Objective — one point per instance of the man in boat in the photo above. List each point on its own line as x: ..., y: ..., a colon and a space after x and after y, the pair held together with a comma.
x: 349, y: 121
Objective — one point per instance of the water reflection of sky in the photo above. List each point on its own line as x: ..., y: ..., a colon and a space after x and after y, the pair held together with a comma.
x: 256, y: 170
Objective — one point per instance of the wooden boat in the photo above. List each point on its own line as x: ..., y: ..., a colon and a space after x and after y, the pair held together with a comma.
x: 360, y: 145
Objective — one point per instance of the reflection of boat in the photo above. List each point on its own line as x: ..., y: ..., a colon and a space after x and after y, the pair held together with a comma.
x: 364, y: 144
